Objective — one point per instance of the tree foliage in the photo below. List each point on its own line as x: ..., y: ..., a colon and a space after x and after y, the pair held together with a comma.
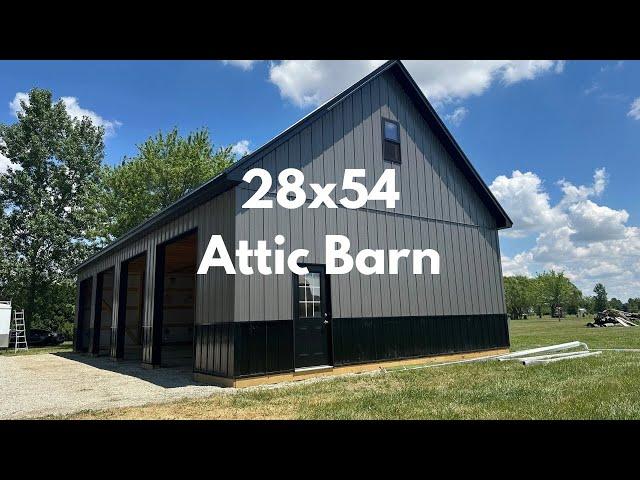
x: 633, y: 305
x: 165, y: 168
x: 48, y: 202
x: 616, y: 304
x: 600, y: 301
x: 556, y: 290
x: 542, y: 293
x: 520, y: 295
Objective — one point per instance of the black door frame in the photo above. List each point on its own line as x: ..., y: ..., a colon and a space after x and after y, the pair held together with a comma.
x: 84, y: 323
x: 326, y: 302
x: 158, y: 299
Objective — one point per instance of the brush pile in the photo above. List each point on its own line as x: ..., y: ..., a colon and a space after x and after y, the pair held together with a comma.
x: 615, y: 318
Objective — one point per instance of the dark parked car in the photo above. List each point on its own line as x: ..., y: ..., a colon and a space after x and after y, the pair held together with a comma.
x: 39, y: 337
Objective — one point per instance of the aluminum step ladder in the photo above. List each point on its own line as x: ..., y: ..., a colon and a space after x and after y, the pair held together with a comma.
x: 21, y: 332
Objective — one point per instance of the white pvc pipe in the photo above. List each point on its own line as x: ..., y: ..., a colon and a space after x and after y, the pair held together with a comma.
x: 551, y: 348
x: 544, y: 362
x: 546, y: 357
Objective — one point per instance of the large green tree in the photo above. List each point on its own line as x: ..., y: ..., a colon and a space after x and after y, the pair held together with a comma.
x: 519, y: 295
x: 552, y: 289
x: 165, y: 168
x: 48, y: 202
x: 600, y: 301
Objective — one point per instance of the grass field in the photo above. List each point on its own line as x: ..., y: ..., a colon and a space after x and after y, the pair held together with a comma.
x: 601, y: 387
x: 63, y: 347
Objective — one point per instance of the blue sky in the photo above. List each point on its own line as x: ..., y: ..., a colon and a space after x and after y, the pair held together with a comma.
x: 548, y: 120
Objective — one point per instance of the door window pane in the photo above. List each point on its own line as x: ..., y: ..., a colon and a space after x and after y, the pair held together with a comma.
x: 309, y: 295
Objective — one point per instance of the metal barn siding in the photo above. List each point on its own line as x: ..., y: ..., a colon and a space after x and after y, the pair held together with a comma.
x: 244, y: 325
x: 462, y: 309
x: 214, y: 293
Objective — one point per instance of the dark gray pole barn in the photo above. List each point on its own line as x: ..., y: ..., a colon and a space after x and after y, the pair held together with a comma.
x: 140, y: 296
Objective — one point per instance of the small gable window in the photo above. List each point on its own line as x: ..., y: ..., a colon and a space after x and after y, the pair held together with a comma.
x: 391, y: 141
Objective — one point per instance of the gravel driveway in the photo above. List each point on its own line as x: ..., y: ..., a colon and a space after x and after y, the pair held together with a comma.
x: 37, y: 385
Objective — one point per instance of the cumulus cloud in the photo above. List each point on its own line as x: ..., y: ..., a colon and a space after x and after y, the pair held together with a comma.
x: 242, y: 64
x: 634, y: 111
x: 457, y: 116
x: 241, y: 148
x: 590, y: 242
x: 573, y: 194
x: 523, y: 196
x: 311, y: 82
x: 73, y: 109
x: 516, y: 265
x: 15, y: 105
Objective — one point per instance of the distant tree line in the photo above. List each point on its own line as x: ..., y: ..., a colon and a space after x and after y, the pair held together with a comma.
x: 60, y: 202
x: 540, y: 295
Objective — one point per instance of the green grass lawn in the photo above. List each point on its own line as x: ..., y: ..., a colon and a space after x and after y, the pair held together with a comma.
x: 63, y: 347
x: 601, y: 387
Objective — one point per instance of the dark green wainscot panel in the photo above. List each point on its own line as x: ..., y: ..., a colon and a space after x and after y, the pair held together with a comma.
x: 361, y: 340
x: 245, y: 349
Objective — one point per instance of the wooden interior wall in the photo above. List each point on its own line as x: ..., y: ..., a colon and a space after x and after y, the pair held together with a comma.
x: 179, y: 291
x: 106, y: 312
x: 135, y: 286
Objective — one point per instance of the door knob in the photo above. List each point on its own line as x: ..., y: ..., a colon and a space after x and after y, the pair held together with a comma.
x: 326, y: 322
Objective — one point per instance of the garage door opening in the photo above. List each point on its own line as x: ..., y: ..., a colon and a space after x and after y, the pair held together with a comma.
x: 178, y: 301
x: 104, y: 297
x: 132, y: 280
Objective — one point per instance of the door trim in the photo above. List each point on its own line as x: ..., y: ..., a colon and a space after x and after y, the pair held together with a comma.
x: 327, y: 302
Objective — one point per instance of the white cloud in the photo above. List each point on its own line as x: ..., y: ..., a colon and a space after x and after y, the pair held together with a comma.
x: 457, y: 116
x: 634, y: 111
x: 590, y: 242
x: 529, y: 69
x: 5, y: 163
x: 241, y: 148
x: 574, y: 194
x: 15, y: 105
x: 311, y: 82
x: 523, y: 197
x: 243, y: 64
x: 518, y: 265
x: 596, y: 222
x: 73, y: 109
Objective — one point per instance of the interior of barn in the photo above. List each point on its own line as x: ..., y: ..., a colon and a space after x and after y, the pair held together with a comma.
x: 179, y: 301
x: 106, y: 309
x: 135, y: 308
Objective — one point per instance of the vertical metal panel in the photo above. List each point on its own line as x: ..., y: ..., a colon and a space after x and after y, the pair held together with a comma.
x: 319, y: 216
x: 394, y: 281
